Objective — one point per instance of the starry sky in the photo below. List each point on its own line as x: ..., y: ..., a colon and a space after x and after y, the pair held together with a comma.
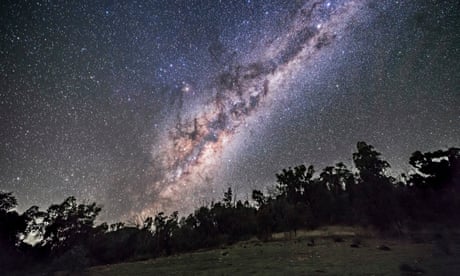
x: 145, y: 106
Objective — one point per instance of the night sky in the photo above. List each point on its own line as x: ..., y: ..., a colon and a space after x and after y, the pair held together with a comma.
x: 144, y: 106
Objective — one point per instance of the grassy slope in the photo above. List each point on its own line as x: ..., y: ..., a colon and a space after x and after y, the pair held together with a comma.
x: 295, y: 257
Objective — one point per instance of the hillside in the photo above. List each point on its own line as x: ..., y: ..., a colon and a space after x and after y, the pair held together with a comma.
x: 332, y: 254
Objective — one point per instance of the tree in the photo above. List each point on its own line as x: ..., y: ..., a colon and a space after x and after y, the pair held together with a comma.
x: 293, y: 182
x: 436, y: 184
x: 205, y: 225
x: 339, y: 181
x: 34, y: 218
x: 117, y: 245
x: 12, y: 225
x: 259, y: 198
x: 376, y: 199
x: 319, y: 202
x: 228, y: 197
x: 67, y: 224
x: 164, y: 229
x: 435, y: 170
x: 337, y: 178
x: 368, y: 161
x: 7, y: 202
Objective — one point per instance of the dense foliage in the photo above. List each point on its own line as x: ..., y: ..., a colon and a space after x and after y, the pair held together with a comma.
x: 67, y: 237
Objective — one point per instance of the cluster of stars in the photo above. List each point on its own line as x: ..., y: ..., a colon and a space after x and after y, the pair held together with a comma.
x: 90, y: 91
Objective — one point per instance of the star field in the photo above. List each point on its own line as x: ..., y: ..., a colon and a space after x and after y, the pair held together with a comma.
x: 161, y: 105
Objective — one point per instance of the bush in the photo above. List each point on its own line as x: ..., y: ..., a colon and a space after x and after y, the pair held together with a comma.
x: 75, y: 260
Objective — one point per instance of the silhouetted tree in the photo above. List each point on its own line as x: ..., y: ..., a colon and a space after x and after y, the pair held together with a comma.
x: 117, y: 226
x: 228, y: 198
x: 259, y: 198
x: 435, y: 170
x: 339, y: 181
x: 116, y: 246
x: 436, y: 184
x: 7, y: 201
x: 67, y: 224
x: 12, y: 225
x: 164, y: 229
x: 68, y: 239
x: 203, y: 223
x: 375, y: 193
x: 293, y: 182
x: 367, y: 160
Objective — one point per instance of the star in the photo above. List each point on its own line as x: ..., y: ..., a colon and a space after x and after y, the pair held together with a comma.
x: 149, y: 106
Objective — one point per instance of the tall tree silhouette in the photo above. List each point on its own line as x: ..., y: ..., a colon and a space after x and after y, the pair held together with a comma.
x: 7, y: 201
x: 437, y: 184
x: 376, y: 199
x: 11, y: 225
x: 368, y: 161
x: 67, y: 224
x: 164, y: 228
x: 293, y: 183
x: 437, y: 169
x: 339, y: 181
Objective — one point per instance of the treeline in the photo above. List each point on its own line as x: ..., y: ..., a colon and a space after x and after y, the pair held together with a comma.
x: 67, y: 238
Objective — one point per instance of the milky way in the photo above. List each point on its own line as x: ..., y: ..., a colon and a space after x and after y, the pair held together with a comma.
x: 161, y: 105
x: 194, y: 145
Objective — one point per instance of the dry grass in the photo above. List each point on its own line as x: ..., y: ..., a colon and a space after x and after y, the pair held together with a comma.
x: 295, y: 257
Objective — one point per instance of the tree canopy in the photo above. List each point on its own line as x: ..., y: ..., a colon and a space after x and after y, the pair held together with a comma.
x: 366, y: 194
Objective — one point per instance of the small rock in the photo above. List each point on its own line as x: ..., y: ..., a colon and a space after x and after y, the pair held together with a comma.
x: 411, y: 270
x: 383, y: 247
x: 356, y: 243
x: 338, y: 239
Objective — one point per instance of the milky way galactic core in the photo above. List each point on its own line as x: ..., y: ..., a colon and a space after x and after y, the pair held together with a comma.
x: 162, y: 105
x: 194, y: 146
